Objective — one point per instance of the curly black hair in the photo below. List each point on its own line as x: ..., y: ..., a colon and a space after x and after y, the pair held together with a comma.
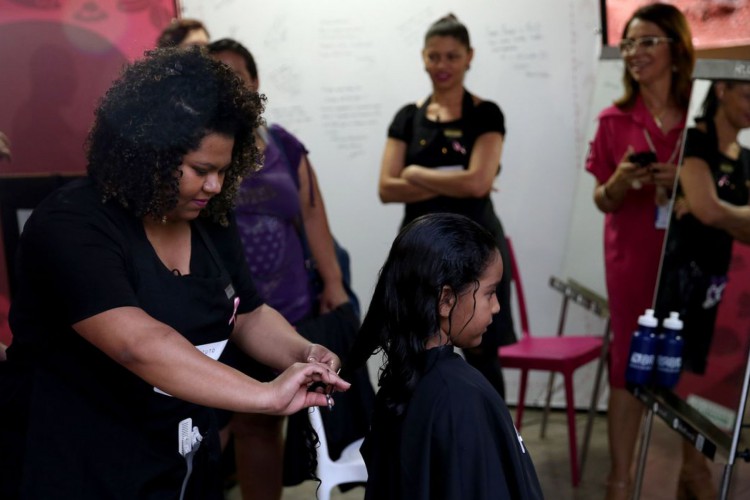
x: 156, y: 112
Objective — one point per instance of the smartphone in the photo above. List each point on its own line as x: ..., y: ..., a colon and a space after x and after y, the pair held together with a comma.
x: 643, y: 159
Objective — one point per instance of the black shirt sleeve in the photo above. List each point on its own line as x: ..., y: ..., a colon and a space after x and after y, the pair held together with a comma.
x: 402, y: 126
x: 488, y: 118
x: 74, y: 256
x: 698, y: 145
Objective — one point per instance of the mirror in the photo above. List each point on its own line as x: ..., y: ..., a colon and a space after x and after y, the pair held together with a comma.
x: 705, y: 270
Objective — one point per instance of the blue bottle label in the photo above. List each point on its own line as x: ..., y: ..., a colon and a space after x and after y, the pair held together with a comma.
x: 641, y: 361
x: 642, y: 358
x: 669, y: 359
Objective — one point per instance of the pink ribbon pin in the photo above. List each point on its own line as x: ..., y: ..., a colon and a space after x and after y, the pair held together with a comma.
x: 234, y: 313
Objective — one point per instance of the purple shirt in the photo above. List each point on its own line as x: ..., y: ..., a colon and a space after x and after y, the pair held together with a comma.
x: 268, y: 210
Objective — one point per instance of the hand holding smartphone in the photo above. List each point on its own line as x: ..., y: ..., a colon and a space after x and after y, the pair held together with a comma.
x: 643, y: 158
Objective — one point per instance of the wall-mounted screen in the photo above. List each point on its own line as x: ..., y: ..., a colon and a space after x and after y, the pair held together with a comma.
x: 714, y: 23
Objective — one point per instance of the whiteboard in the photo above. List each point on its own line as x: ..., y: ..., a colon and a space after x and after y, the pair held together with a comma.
x: 584, y: 252
x: 336, y: 71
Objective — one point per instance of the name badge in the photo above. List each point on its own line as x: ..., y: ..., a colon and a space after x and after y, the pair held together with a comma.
x: 662, y: 216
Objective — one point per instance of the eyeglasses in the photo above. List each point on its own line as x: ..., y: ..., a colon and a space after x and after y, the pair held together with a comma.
x: 630, y: 45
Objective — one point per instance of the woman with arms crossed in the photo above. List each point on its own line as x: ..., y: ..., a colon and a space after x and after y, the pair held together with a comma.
x: 442, y: 155
x: 132, y: 281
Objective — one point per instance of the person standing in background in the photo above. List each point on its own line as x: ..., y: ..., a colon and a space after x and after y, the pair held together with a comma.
x: 633, y: 191
x: 182, y: 33
x: 711, y: 213
x: 279, y: 210
x: 442, y: 155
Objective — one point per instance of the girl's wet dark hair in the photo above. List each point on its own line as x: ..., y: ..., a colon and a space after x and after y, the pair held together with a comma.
x: 156, y: 112
x: 432, y: 252
x: 230, y: 45
x: 449, y: 25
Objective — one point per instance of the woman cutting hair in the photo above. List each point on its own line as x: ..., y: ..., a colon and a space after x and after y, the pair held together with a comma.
x: 132, y: 282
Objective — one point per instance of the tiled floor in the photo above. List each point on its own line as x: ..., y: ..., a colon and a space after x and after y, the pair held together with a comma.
x: 551, y: 460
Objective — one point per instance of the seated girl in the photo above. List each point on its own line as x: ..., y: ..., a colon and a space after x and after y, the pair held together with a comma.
x: 439, y: 431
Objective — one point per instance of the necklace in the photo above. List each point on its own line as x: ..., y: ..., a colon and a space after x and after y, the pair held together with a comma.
x: 657, y: 120
x: 660, y: 115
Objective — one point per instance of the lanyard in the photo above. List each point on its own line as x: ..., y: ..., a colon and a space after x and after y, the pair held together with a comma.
x: 675, y: 151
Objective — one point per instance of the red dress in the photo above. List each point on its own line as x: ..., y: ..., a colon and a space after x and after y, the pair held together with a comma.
x: 632, y: 243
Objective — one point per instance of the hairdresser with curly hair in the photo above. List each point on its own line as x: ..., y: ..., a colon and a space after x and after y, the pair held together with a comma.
x: 132, y: 281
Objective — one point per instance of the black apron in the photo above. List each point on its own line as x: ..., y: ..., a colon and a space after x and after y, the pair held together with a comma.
x: 435, y: 144
x: 118, y: 436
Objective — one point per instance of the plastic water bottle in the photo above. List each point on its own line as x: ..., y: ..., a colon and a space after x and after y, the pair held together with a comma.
x: 642, y: 350
x: 669, y: 352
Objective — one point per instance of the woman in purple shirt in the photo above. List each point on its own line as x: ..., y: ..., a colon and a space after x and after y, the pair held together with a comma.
x: 276, y: 206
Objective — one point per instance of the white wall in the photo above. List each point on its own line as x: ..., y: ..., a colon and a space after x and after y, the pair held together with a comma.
x: 336, y: 71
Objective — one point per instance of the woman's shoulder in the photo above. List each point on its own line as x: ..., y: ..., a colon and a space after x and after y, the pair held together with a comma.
x: 486, y: 116
x: 76, y: 209
x: 485, y: 105
x: 402, y: 125
x: 77, y: 198
x: 700, y: 144
x: 697, y: 133
x: 406, y: 112
x: 283, y: 135
x: 613, y: 112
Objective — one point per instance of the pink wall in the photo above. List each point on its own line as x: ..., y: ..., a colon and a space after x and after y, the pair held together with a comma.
x: 57, y: 58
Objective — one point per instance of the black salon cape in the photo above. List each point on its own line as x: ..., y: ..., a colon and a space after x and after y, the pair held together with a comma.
x: 456, y: 441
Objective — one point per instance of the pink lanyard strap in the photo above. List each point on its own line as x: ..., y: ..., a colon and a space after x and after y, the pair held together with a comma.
x: 675, y: 151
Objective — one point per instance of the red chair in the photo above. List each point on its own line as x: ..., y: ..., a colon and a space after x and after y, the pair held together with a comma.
x: 563, y: 354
